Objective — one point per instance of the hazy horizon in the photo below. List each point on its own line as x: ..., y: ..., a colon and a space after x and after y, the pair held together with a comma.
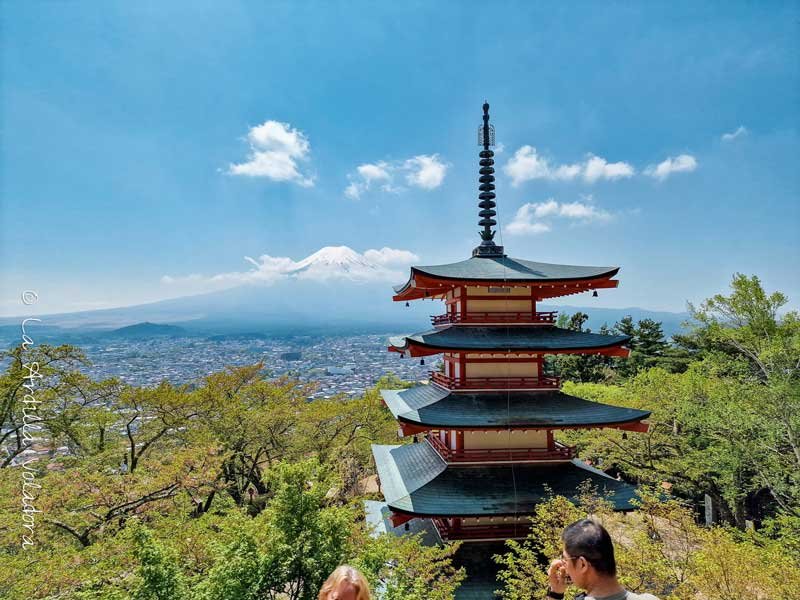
x: 155, y: 151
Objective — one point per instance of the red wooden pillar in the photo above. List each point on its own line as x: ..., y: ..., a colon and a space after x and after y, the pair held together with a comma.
x: 456, y: 524
x: 551, y: 442
x: 533, y: 304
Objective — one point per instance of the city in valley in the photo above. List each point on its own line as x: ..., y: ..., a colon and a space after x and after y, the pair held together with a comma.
x: 337, y: 364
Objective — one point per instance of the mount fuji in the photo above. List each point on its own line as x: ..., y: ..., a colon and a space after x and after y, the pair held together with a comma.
x: 333, y: 288
x: 335, y: 262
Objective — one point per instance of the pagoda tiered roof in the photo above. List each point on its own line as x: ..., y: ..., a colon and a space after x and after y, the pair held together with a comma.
x: 463, y: 478
x: 499, y: 270
x: 415, y: 480
x: 432, y: 407
x: 516, y: 338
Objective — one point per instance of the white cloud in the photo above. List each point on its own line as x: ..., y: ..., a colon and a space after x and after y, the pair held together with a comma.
x: 598, y: 168
x: 528, y: 164
x: 684, y: 163
x: 365, y: 176
x: 354, y: 190
x: 740, y: 131
x: 543, y: 209
x: 330, y: 262
x: 528, y: 218
x: 523, y: 224
x: 276, y: 151
x: 584, y: 212
x: 376, y: 172
x: 425, y: 171
x: 390, y: 257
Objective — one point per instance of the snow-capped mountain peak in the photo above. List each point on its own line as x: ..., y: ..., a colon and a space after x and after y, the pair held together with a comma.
x: 342, y: 257
x: 333, y: 261
x: 328, y: 263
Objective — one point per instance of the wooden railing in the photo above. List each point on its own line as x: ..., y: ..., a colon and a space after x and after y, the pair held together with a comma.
x: 496, y: 317
x: 478, y: 532
x: 494, y: 383
x: 560, y: 452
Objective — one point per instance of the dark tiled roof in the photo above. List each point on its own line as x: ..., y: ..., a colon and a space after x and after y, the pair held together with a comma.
x: 413, y: 481
x: 516, y: 337
x: 377, y: 516
x: 403, y: 469
x: 513, y: 269
x: 433, y: 406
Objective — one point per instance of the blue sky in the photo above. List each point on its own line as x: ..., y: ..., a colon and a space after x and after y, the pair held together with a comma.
x: 123, y: 123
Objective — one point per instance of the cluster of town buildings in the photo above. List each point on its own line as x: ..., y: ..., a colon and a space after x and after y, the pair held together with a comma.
x: 338, y: 365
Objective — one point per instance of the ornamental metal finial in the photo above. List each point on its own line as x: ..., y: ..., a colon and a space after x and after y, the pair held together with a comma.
x: 486, y: 138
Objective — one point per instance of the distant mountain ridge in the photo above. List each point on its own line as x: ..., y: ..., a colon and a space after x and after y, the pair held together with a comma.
x: 230, y: 328
x: 671, y: 322
x: 333, y: 288
x: 146, y: 330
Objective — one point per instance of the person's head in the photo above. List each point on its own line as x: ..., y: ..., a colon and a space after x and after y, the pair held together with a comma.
x: 588, y: 553
x: 345, y: 583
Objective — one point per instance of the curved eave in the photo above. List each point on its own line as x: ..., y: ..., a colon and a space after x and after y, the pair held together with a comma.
x: 423, y: 285
x: 411, y: 427
x: 415, y: 482
x: 541, y: 339
x: 416, y: 349
x: 426, y: 407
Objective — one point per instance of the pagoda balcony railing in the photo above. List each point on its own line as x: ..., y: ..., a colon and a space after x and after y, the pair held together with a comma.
x: 560, y: 452
x: 547, y: 317
x: 494, y: 383
x: 479, y: 532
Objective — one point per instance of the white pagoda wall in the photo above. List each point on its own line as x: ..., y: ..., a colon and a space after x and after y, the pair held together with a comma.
x: 485, y: 440
x: 498, y: 305
x: 516, y: 369
x: 523, y: 292
x: 514, y: 299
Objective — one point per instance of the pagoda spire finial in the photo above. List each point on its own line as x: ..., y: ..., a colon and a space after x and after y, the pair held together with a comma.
x: 486, y: 139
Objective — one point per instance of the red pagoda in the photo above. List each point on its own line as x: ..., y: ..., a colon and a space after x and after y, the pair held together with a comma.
x: 485, y: 451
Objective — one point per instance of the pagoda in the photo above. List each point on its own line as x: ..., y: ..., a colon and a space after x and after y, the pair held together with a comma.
x: 484, y: 450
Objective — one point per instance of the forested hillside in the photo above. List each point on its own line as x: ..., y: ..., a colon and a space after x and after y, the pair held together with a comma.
x: 240, y: 488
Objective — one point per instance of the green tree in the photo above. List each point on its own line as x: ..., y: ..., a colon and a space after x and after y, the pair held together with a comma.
x: 650, y: 341
x: 25, y: 389
x: 161, y: 578
x: 306, y: 537
x: 578, y: 367
x: 523, y: 568
x: 626, y: 326
x: 405, y: 569
x: 237, y: 574
x: 762, y: 346
x: 649, y: 348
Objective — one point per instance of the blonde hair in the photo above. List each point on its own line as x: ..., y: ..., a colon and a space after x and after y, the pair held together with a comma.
x: 350, y: 575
